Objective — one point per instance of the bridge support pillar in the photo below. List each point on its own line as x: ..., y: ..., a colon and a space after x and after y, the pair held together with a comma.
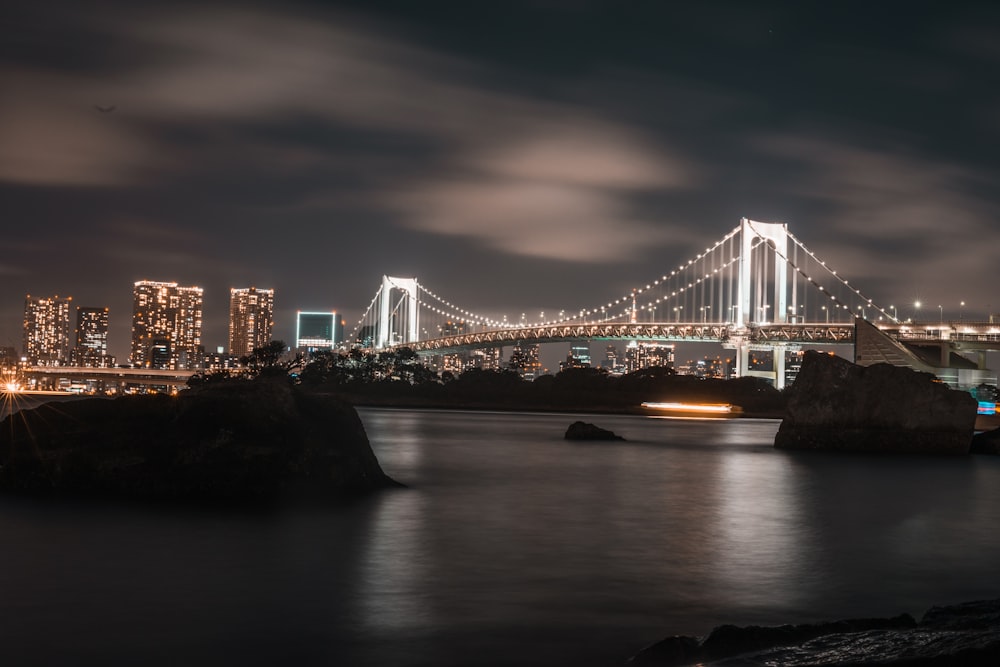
x: 778, y: 361
x: 779, y: 367
x: 742, y: 360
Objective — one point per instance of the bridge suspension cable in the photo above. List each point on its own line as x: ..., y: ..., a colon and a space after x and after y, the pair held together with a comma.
x: 833, y: 273
x: 752, y: 275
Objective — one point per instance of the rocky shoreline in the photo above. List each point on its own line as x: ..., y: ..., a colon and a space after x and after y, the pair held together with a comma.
x: 965, y: 634
x: 236, y: 442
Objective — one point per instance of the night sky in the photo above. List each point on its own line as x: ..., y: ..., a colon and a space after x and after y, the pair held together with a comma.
x: 514, y: 157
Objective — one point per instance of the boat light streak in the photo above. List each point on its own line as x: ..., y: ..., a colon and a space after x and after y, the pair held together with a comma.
x: 691, y: 407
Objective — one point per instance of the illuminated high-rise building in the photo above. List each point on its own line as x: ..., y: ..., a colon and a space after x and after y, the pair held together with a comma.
x: 524, y: 359
x: 578, y: 357
x: 251, y: 319
x: 612, y: 361
x: 166, y: 325
x: 644, y: 355
x: 490, y: 358
x: 46, y: 330
x: 91, y: 338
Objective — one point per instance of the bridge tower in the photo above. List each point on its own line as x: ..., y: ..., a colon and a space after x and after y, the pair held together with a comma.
x: 389, y: 311
x: 753, y: 305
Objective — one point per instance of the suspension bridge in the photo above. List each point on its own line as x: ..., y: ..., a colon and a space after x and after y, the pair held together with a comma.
x: 757, y: 288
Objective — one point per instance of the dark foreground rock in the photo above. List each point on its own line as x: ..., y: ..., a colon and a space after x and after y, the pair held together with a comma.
x: 233, y: 442
x: 987, y: 442
x: 837, y: 405
x: 585, y: 431
x: 964, y: 634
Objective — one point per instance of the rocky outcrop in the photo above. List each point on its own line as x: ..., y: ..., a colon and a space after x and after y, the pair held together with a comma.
x: 585, y: 431
x: 232, y: 442
x: 964, y: 634
x: 987, y: 442
x: 837, y: 405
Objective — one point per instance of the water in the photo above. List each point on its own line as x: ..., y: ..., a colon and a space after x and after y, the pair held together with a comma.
x: 512, y: 546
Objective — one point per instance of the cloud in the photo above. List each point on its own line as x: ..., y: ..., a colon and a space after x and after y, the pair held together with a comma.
x: 543, y: 220
x: 558, y: 191
x: 556, y: 168
x: 51, y: 134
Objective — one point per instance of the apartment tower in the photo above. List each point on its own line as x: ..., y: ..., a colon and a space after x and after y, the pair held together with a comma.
x: 166, y: 326
x: 251, y: 319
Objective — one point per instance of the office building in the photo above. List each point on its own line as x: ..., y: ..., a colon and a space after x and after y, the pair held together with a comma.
x: 90, y: 347
x: 251, y: 319
x: 318, y: 330
x: 578, y: 357
x: 612, y: 361
x: 525, y: 360
x: 166, y: 326
x: 46, y: 330
x: 644, y: 355
x: 489, y: 358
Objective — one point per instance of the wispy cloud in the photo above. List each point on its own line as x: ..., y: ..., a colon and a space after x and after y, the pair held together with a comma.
x: 517, y: 174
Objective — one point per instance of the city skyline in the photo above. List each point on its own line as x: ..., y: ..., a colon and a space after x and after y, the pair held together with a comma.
x: 524, y: 158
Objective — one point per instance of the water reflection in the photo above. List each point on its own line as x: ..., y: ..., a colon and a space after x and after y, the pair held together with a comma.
x: 760, y: 538
x: 393, y: 593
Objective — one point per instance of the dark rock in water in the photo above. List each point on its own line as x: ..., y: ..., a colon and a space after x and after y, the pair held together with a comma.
x: 230, y: 442
x: 676, y: 650
x: 965, y: 616
x: 987, y: 442
x: 837, y: 405
x: 585, y: 431
x: 965, y: 634
x: 728, y: 640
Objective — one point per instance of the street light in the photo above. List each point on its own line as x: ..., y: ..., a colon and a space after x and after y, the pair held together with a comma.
x: 961, y: 310
x: 916, y: 307
x: 827, y: 314
x: 940, y: 313
x: 894, y: 313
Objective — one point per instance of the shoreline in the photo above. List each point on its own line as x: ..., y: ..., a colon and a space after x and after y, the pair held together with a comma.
x: 966, y: 633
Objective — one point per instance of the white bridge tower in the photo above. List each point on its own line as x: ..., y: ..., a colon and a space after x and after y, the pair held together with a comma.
x: 406, y: 308
x: 762, y: 244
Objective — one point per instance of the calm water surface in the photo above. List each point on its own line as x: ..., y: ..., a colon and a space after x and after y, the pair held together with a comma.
x: 512, y: 546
